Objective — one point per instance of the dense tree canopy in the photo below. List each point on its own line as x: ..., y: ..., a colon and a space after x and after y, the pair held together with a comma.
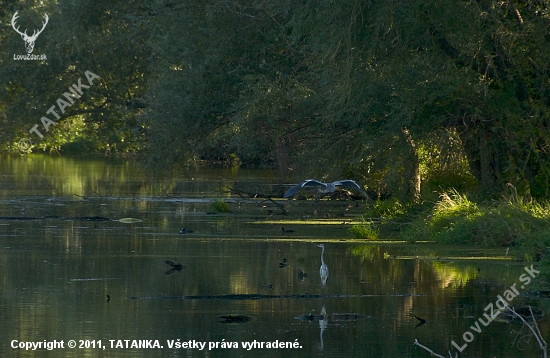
x: 390, y: 92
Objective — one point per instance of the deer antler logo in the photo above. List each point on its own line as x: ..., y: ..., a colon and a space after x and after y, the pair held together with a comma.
x: 29, y: 40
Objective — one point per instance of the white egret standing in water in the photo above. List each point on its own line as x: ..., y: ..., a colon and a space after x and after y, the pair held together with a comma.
x: 323, y: 271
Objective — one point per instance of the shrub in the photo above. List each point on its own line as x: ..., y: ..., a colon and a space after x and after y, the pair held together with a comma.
x: 387, y: 209
x: 365, y: 230
x: 456, y: 219
x: 219, y: 206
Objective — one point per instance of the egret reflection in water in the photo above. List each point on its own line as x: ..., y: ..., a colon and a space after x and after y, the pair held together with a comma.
x: 323, y: 323
x: 323, y: 270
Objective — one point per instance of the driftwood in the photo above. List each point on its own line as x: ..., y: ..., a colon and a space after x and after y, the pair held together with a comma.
x: 176, y: 267
x: 76, y: 218
x: 248, y: 195
x: 173, y: 264
x: 258, y: 296
x: 86, y: 198
x: 430, y: 351
x: 235, y: 318
x: 278, y: 205
x: 534, y: 328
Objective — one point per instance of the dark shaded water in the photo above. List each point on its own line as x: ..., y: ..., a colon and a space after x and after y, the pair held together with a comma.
x: 56, y: 271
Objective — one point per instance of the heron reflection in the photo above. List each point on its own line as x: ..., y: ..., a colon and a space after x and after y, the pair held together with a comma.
x: 323, y: 271
x: 323, y: 323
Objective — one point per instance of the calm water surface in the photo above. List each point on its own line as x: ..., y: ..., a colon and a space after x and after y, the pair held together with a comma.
x: 56, y: 270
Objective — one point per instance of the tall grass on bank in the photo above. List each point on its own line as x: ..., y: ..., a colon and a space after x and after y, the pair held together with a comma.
x: 457, y: 220
x: 365, y: 230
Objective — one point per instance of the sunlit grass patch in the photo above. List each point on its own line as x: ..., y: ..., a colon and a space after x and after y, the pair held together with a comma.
x: 450, y: 210
x: 219, y: 206
x: 455, y: 219
x: 364, y: 230
x: 387, y: 209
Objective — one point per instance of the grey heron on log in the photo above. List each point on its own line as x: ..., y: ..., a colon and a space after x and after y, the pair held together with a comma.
x: 325, y: 188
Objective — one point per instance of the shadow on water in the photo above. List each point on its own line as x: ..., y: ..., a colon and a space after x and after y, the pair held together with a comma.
x: 75, y: 231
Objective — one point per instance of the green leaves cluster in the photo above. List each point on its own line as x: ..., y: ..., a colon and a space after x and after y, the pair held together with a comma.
x: 455, y: 219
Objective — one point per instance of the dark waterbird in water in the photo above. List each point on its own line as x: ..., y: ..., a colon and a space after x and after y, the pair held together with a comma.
x: 185, y: 231
x: 325, y: 188
x: 283, y: 231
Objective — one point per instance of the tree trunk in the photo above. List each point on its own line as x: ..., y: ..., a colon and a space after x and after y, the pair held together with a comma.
x: 486, y: 154
x: 282, y: 156
x: 411, y: 170
x: 472, y: 155
x: 486, y: 160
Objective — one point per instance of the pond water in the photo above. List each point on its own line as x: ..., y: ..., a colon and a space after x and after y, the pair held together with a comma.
x: 64, y: 249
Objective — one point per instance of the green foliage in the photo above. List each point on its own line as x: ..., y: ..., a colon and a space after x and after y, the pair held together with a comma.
x: 446, y: 180
x: 443, y: 164
x: 449, y: 210
x: 106, y: 111
x: 387, y: 209
x: 455, y: 219
x: 219, y: 206
x: 266, y: 81
x: 365, y: 230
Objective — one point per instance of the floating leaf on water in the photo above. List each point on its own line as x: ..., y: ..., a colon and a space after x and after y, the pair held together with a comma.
x: 129, y: 220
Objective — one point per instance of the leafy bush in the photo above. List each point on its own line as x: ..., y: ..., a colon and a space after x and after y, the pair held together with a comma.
x: 219, y: 206
x: 387, y: 209
x: 365, y: 230
x: 456, y: 219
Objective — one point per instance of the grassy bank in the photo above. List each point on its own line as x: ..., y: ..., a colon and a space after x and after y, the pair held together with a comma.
x: 457, y: 219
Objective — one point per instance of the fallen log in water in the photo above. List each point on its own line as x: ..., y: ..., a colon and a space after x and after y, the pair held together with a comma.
x: 76, y: 218
x: 173, y: 264
x: 235, y: 318
x: 257, y: 296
